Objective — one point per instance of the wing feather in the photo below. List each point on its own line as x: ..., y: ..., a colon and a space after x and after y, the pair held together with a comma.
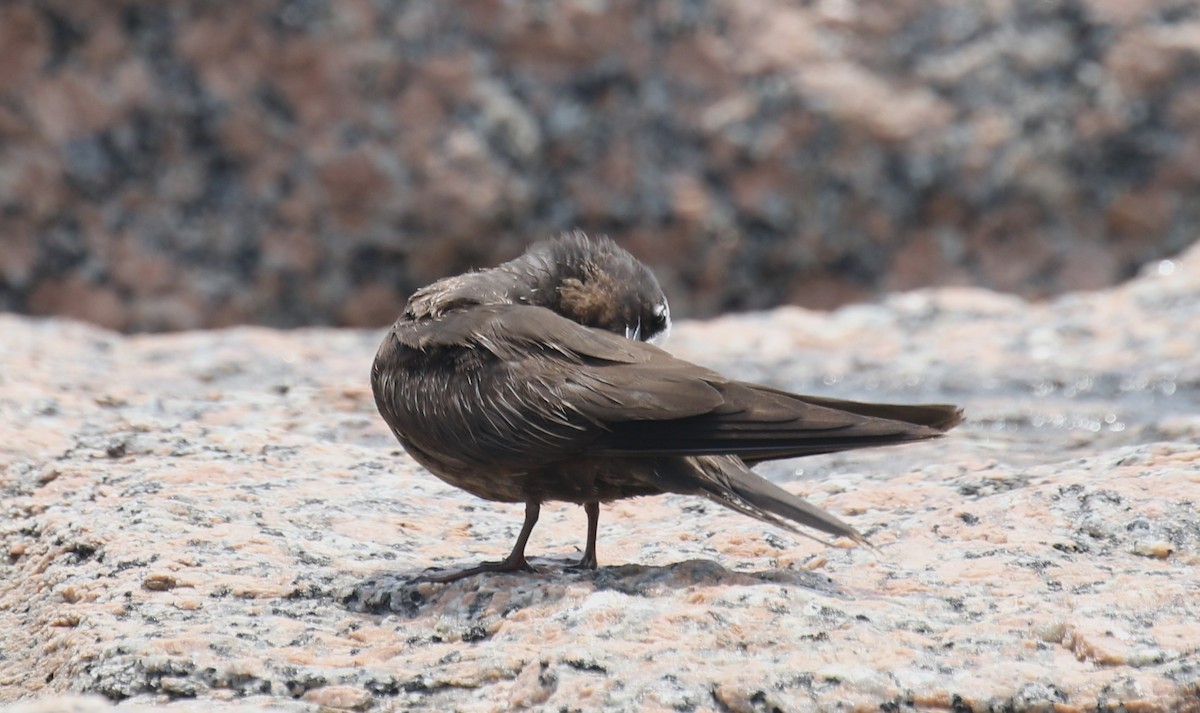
x: 553, y: 387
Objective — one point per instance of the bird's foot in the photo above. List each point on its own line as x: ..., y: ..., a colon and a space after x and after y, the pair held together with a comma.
x: 587, y: 562
x: 509, y: 564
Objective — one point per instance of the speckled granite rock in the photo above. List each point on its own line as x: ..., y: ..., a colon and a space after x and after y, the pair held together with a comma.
x: 296, y: 162
x: 219, y: 521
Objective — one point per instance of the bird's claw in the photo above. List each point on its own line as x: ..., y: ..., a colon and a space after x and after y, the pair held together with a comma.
x: 502, y: 566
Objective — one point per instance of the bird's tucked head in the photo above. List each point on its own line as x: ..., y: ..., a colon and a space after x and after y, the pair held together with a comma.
x: 595, y: 282
x: 592, y: 281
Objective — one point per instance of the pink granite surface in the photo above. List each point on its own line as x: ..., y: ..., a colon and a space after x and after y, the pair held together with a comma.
x: 220, y: 521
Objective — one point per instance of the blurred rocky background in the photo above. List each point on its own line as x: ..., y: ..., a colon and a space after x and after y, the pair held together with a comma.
x: 175, y: 165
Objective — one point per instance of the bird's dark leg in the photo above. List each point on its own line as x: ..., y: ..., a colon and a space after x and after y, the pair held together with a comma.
x: 515, y: 562
x: 588, y: 561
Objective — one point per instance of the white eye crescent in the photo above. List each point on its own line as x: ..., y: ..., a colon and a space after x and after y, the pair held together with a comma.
x: 662, y: 310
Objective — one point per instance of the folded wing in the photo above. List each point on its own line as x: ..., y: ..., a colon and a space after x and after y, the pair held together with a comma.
x: 554, y: 384
x: 759, y: 423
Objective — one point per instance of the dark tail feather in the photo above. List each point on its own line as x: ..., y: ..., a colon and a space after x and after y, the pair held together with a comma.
x: 727, y: 481
x: 766, y: 497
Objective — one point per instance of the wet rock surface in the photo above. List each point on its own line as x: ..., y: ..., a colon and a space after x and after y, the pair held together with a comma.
x: 168, y: 166
x: 220, y: 521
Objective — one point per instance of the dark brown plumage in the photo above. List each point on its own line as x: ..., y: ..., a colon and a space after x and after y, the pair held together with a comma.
x: 531, y: 382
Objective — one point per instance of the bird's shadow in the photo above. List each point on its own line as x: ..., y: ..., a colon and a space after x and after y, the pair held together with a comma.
x: 413, y: 592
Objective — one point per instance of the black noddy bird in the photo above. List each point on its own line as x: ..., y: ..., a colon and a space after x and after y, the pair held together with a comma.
x: 539, y: 380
